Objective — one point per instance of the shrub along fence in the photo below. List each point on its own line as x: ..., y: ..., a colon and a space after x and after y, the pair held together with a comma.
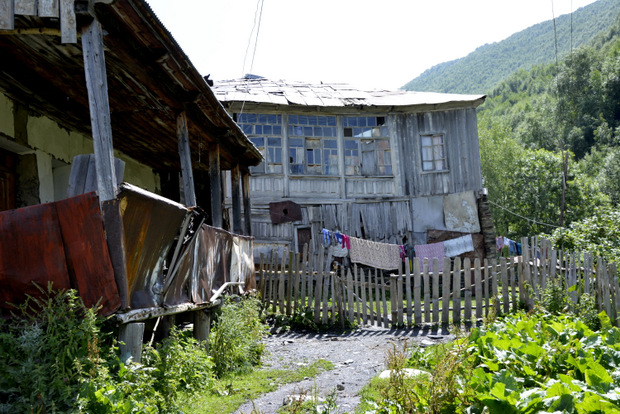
x: 421, y: 293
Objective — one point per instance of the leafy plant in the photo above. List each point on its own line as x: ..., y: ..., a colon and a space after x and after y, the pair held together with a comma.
x: 49, y: 348
x: 234, y: 340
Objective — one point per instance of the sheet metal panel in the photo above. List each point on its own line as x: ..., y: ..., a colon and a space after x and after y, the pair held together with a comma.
x: 31, y: 250
x: 150, y: 225
x: 213, y: 258
x: 62, y: 243
x: 88, y: 261
x: 242, y: 262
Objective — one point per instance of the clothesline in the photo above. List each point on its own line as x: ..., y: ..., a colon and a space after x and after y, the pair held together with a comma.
x: 389, y: 256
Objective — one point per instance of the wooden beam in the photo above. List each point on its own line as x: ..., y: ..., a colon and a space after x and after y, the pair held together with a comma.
x: 7, y: 15
x: 26, y: 7
x: 186, y: 160
x: 48, y: 8
x: 130, y: 341
x: 236, y: 198
x: 216, y: 186
x: 97, y: 85
x: 68, y: 25
x: 247, y: 208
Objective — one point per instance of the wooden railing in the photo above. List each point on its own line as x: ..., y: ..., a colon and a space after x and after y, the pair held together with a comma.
x: 420, y: 293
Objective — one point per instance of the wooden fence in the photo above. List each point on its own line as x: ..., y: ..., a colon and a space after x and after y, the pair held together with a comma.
x: 420, y: 293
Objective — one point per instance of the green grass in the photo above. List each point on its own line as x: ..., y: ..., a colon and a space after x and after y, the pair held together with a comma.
x: 230, y: 393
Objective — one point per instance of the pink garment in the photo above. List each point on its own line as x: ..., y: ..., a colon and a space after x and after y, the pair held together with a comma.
x: 431, y: 251
x: 345, y: 242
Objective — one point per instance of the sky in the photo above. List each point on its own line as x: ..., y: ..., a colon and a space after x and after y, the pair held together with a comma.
x: 368, y: 44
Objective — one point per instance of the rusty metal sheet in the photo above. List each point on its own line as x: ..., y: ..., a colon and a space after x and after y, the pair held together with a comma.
x: 181, y: 288
x: 212, y: 258
x: 284, y: 212
x: 31, y: 250
x: 88, y: 261
x: 242, y: 261
x: 150, y: 225
x: 62, y: 243
x: 113, y: 224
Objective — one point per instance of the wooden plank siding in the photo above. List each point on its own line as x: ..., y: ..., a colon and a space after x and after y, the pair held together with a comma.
x: 461, y: 144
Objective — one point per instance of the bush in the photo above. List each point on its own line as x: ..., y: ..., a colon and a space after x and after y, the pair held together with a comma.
x: 49, y: 348
x: 234, y: 340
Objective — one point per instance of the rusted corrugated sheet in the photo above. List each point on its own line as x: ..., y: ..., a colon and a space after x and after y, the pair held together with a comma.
x: 150, y: 225
x: 31, y: 250
x: 62, y: 243
x: 213, y: 258
x: 284, y: 212
x: 242, y: 261
x: 88, y: 261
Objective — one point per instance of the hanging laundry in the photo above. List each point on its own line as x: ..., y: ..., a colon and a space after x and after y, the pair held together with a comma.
x: 326, y: 238
x: 345, y: 242
x: 339, y: 251
x: 455, y: 247
x: 499, y: 243
x: 380, y: 255
x: 431, y: 251
x: 338, y: 237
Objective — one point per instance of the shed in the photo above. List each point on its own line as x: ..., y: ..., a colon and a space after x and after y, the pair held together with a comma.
x: 94, y: 93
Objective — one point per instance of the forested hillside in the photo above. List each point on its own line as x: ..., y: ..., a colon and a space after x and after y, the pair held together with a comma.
x: 550, y: 148
x: 487, y: 66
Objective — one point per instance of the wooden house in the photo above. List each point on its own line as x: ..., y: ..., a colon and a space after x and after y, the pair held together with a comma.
x: 94, y: 93
x: 391, y: 166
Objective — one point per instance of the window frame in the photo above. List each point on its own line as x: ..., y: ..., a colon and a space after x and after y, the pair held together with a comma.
x: 434, y: 160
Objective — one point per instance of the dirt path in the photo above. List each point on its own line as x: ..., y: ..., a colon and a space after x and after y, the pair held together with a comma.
x: 358, y: 356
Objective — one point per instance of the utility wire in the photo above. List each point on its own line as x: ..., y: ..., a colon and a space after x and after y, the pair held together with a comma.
x: 525, y: 218
x: 258, y: 15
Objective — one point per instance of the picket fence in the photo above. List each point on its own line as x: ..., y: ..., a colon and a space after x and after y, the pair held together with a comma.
x: 419, y: 293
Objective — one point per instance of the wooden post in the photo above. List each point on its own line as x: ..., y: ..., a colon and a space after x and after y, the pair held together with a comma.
x: 445, y: 289
x: 202, y: 326
x: 362, y: 278
x: 187, y: 172
x: 7, y: 15
x: 456, y: 291
x: 216, y: 186
x: 235, y: 179
x: 505, y: 290
x: 130, y: 338
x: 478, y: 288
x: 467, y: 284
x: 427, y: 290
x: 97, y: 85
x: 247, y: 208
x: 417, y: 278
x: 435, y: 290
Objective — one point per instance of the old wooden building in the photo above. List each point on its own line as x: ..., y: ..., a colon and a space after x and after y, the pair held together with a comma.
x: 391, y: 166
x: 93, y: 94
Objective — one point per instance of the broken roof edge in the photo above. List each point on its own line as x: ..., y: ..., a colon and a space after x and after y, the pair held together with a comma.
x: 219, y: 117
x: 261, y: 91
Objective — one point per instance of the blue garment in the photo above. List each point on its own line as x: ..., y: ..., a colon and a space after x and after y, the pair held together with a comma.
x: 338, y: 237
x: 326, y: 239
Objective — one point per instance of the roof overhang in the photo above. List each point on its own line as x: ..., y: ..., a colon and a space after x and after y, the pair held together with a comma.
x: 150, y: 81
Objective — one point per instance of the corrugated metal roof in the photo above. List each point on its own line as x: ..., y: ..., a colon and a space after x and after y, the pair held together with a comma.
x: 281, y: 92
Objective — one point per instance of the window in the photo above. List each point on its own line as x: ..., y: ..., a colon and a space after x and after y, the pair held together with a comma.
x: 313, y: 145
x: 367, y: 146
x: 265, y: 131
x: 433, y: 153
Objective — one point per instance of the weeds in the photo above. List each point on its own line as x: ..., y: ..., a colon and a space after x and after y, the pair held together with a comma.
x: 235, y: 338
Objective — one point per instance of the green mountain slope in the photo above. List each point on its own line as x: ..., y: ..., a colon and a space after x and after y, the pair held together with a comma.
x: 483, y: 69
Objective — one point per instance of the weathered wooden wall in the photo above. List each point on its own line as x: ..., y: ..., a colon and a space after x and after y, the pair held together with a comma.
x: 461, y: 144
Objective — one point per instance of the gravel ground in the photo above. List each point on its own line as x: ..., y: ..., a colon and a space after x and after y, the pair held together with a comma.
x: 358, y: 357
